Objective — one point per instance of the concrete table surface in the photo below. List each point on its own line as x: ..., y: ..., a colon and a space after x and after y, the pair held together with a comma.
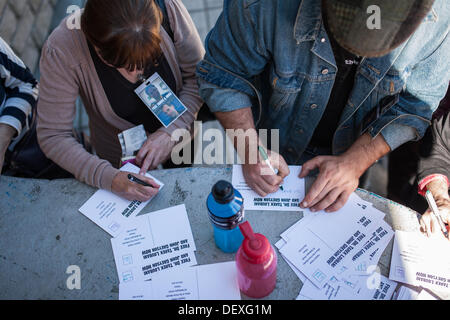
x: 42, y: 233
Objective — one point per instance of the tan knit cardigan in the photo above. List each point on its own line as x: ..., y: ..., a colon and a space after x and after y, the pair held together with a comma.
x: 67, y: 71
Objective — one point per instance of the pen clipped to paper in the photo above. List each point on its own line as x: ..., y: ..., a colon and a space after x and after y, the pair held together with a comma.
x: 138, y: 181
x: 435, y: 211
x: 267, y: 161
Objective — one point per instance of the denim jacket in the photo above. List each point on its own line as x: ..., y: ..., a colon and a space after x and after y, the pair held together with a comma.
x: 275, y: 56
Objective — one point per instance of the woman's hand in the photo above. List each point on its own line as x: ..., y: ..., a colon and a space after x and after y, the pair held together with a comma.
x: 131, y: 191
x: 156, y: 150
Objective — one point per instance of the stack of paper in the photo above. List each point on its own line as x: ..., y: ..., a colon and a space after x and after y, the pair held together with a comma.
x: 414, y: 293
x: 421, y: 261
x: 206, y: 282
x: 287, y: 199
x: 336, y: 291
x: 335, y: 254
x: 111, y: 212
x: 154, y: 253
x: 155, y: 242
x: 142, y: 245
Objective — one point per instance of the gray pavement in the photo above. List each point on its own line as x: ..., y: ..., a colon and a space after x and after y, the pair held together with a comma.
x: 42, y: 233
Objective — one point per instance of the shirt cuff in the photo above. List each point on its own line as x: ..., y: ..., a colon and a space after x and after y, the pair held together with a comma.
x: 13, y: 122
x: 222, y: 99
x: 432, y: 177
x: 108, y: 175
x: 397, y: 134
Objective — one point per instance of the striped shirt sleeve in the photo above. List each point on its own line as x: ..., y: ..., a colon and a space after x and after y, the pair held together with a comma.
x: 20, y: 91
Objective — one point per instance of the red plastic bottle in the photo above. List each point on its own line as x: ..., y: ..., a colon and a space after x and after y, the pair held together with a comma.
x: 256, y: 264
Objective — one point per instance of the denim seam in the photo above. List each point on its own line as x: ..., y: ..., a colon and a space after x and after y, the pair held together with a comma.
x: 368, y: 95
x: 259, y: 46
x: 398, y: 117
x: 314, y: 31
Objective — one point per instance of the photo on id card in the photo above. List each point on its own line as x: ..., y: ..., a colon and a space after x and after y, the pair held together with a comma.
x: 160, y: 99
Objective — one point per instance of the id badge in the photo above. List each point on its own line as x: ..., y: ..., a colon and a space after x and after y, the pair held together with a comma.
x: 161, y: 100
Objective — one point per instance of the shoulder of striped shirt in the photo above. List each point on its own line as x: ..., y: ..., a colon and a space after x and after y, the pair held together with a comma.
x: 16, y: 73
x: 6, y: 50
x: 17, y: 108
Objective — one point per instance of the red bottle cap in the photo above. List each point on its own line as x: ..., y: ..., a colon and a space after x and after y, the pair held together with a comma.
x: 255, y: 246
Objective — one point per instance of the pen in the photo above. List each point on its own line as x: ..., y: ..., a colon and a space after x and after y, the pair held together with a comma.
x: 435, y: 211
x: 266, y: 160
x: 139, y: 181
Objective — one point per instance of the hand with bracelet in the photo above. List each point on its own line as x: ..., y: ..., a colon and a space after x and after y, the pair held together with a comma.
x: 439, y: 190
x: 433, y: 174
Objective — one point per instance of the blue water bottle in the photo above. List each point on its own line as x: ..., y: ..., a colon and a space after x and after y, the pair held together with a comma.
x: 226, y: 211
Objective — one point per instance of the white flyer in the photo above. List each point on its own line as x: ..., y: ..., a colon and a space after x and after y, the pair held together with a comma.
x: 371, y: 252
x: 413, y: 293
x: 206, y: 282
x: 425, y: 295
x: 111, y: 212
x: 406, y: 293
x: 329, y: 244
x: 282, y: 200
x: 155, y: 242
x: 421, y: 261
x: 280, y: 244
x: 308, y: 215
x: 380, y: 289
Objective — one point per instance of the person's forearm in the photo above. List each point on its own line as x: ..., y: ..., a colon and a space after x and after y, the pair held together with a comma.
x: 7, y: 133
x: 437, y: 160
x: 241, y: 119
x: 367, y: 151
x: 237, y: 119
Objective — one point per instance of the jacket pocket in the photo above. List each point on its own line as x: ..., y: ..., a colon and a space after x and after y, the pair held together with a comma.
x: 284, y: 91
x: 391, y: 84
